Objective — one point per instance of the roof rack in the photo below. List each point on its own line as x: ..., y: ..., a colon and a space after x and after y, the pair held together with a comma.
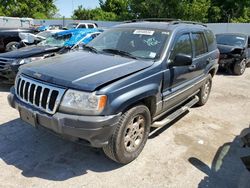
x: 169, y: 20
x: 153, y: 20
x: 188, y: 22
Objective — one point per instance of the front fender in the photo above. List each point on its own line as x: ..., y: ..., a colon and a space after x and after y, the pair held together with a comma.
x: 122, y: 102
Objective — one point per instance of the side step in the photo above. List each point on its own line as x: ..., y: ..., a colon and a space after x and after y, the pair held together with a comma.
x: 174, y: 115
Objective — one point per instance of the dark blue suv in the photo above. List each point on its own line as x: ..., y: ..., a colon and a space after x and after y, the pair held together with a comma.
x: 126, y: 84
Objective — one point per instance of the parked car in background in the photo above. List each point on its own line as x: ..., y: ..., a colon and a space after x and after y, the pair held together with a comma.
x: 59, y: 43
x: 130, y: 78
x: 234, y: 52
x: 82, y: 26
x: 49, y: 27
x: 9, y: 38
x: 31, y: 39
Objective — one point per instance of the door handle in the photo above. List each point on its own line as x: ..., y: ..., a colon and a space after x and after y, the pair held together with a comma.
x: 192, y: 67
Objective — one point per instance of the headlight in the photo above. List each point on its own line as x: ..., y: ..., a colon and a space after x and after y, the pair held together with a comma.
x: 78, y: 102
x: 26, y: 60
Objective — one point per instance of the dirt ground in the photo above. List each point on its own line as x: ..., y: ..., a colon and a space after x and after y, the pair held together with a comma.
x: 198, y: 150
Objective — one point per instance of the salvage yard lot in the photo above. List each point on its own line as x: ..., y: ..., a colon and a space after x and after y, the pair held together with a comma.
x: 35, y: 158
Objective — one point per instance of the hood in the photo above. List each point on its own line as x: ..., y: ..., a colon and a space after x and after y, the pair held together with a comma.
x: 83, y: 70
x: 28, y: 52
x: 225, y: 49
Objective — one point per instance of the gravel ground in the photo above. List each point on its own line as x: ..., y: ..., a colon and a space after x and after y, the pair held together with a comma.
x: 198, y: 150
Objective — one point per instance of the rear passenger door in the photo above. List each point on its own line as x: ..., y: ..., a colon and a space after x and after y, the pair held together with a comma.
x: 201, y: 56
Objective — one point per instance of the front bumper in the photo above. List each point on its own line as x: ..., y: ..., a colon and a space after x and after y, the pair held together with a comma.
x: 96, y: 130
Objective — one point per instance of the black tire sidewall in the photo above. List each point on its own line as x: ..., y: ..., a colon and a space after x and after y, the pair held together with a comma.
x: 121, y: 153
x: 8, y: 46
x: 237, y: 68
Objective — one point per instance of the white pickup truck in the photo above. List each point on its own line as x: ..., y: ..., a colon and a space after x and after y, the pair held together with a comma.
x: 82, y: 25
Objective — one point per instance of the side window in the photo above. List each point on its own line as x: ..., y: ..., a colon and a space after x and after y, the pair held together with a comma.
x: 82, y: 26
x: 90, y: 26
x: 199, y: 44
x: 183, y: 45
x: 210, y: 40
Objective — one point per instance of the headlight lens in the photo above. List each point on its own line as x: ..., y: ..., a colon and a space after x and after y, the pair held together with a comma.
x: 26, y: 60
x: 83, y: 103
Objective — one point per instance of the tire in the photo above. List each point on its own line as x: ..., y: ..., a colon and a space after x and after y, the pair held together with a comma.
x: 129, y: 137
x: 239, y: 68
x: 11, y: 46
x: 205, y: 91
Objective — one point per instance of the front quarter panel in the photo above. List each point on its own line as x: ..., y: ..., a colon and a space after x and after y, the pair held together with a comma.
x: 132, y: 89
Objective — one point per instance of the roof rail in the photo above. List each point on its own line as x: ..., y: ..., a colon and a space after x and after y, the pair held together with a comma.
x: 169, y: 20
x: 153, y: 20
x: 188, y: 22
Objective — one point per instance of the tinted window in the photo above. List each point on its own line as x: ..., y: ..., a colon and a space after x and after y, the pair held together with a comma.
x: 82, y: 26
x: 200, y: 44
x: 90, y: 26
x: 210, y: 40
x: 183, y: 45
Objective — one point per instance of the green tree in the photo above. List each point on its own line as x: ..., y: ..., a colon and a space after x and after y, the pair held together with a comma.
x: 230, y: 10
x: 95, y: 14
x: 28, y: 8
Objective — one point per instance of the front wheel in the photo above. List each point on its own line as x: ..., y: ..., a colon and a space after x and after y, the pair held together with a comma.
x: 205, y: 91
x: 12, y: 46
x: 130, y: 135
x: 239, y: 68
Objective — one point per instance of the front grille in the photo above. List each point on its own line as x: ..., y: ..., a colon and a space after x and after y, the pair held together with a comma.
x: 40, y: 95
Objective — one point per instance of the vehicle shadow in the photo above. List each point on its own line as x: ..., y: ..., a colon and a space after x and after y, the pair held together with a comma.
x: 38, y: 153
x: 5, y: 88
x: 230, y: 166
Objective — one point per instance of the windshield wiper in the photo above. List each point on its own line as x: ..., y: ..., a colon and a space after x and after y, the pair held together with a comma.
x: 90, y: 48
x: 119, y: 52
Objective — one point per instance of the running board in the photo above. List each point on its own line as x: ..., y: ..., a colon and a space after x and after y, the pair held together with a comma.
x: 174, y: 115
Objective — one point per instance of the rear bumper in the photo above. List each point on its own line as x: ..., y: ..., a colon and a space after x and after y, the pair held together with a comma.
x: 96, y: 130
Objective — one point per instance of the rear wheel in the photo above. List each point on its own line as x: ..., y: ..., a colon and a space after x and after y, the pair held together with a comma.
x: 130, y: 136
x: 205, y: 91
x: 239, y: 68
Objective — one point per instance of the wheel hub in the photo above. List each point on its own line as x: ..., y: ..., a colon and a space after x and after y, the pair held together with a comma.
x: 206, y: 90
x: 134, y: 133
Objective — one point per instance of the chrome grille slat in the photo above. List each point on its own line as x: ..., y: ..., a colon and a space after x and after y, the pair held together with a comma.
x: 41, y: 96
x: 47, y: 103
x: 34, y: 95
x: 29, y: 92
x: 43, y: 88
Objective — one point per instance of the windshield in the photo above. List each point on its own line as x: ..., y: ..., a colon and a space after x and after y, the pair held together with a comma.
x: 231, y: 40
x: 72, y: 26
x: 138, y: 43
x: 55, y: 40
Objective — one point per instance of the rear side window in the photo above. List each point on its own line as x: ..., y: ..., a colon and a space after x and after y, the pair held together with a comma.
x: 90, y: 26
x: 199, y: 44
x: 183, y: 45
x: 210, y: 40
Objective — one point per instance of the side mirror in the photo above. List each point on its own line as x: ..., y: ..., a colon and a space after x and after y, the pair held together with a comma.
x: 182, y: 60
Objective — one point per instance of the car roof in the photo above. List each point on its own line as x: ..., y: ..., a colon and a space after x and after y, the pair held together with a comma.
x: 162, y: 25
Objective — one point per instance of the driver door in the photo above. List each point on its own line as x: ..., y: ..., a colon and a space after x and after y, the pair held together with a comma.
x: 178, y: 78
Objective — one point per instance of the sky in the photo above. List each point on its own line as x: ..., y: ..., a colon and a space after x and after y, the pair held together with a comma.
x: 66, y: 6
